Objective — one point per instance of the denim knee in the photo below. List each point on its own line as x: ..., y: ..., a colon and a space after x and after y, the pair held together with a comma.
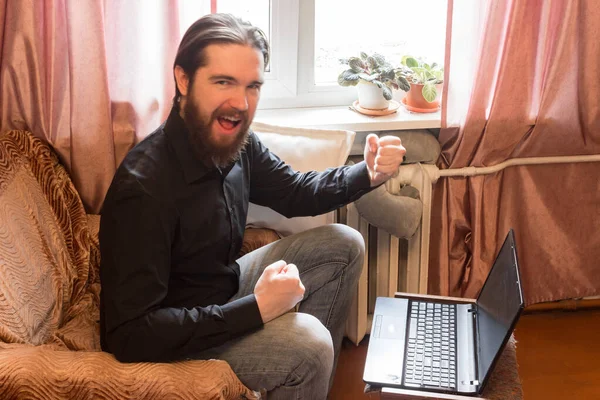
x: 313, y: 351
x: 344, y: 237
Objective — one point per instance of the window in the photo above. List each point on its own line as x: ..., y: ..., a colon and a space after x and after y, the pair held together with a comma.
x: 308, y: 37
x: 333, y: 29
x: 189, y: 11
x: 277, y: 18
x: 392, y: 28
x: 257, y: 12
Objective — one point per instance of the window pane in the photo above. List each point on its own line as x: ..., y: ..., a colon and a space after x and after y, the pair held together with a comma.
x: 257, y: 12
x: 190, y: 11
x: 344, y: 28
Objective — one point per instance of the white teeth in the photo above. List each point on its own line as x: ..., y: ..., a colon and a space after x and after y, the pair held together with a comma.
x: 233, y: 119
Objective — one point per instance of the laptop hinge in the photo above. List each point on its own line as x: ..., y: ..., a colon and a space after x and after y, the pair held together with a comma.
x: 474, y: 311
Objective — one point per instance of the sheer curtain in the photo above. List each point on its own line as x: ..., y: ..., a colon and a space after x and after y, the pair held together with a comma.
x: 53, y: 82
x: 522, y: 81
x: 90, y: 77
x: 141, y: 44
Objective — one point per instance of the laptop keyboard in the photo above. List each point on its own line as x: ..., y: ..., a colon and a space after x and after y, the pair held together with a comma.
x: 431, y: 350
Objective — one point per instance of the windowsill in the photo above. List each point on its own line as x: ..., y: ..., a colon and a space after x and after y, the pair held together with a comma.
x: 342, y: 117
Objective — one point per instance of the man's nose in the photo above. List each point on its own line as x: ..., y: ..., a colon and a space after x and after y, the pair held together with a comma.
x: 239, y: 100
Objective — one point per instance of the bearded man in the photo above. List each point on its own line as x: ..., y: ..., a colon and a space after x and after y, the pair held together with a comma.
x: 173, y: 221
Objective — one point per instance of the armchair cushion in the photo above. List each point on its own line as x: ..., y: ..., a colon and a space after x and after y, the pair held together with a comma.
x: 304, y: 150
x: 44, y: 245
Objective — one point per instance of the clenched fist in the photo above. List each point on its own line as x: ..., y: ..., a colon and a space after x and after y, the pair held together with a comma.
x: 383, y: 156
x: 278, y: 290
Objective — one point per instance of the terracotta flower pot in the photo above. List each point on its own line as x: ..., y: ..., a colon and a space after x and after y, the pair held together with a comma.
x: 415, y: 99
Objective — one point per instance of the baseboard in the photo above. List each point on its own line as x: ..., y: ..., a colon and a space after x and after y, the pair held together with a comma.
x: 585, y: 303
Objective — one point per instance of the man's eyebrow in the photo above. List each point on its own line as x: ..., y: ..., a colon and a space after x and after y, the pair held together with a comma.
x: 232, y: 79
x: 222, y: 78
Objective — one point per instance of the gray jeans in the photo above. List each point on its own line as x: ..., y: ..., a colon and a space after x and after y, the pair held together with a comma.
x: 294, y: 356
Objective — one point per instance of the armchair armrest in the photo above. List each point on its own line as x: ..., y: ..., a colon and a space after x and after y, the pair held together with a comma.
x: 42, y: 372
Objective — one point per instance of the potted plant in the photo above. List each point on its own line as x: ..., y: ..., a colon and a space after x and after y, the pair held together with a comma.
x: 425, y: 84
x: 375, y: 79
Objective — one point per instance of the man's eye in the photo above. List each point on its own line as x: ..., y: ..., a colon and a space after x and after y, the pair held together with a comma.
x: 223, y: 83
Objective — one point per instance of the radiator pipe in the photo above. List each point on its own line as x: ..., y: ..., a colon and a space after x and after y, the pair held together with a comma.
x: 406, y: 175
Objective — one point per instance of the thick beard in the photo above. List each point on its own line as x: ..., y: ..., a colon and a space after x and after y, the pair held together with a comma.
x: 209, y: 153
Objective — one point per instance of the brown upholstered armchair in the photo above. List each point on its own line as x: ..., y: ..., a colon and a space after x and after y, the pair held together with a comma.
x: 49, y: 297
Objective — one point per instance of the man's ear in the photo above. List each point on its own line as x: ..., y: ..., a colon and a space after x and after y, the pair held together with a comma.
x: 182, y: 80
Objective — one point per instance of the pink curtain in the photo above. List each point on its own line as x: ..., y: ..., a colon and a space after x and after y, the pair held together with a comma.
x: 141, y: 43
x: 90, y: 77
x: 521, y: 81
x: 53, y: 82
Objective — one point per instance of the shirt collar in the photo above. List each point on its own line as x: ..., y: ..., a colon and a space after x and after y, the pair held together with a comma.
x: 178, y: 135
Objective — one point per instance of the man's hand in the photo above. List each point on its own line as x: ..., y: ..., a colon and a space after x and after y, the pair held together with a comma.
x: 278, y: 290
x: 383, y: 156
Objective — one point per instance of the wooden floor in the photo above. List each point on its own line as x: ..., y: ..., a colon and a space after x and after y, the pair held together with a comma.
x: 558, y: 354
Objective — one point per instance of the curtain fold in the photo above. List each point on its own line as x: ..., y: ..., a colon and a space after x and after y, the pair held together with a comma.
x: 91, y: 77
x: 141, y: 43
x: 524, y: 85
x: 53, y: 72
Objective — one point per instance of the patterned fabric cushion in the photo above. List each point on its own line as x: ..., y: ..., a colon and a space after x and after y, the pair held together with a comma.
x: 40, y: 373
x: 44, y: 245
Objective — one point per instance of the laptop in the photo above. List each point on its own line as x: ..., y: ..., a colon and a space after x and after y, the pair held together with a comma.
x: 443, y: 344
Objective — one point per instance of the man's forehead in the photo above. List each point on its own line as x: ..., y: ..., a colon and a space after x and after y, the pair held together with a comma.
x: 229, y: 56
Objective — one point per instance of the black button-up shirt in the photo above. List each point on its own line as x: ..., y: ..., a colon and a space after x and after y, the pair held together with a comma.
x: 170, y: 232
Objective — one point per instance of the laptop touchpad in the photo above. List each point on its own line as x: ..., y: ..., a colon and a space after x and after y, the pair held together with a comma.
x: 393, y: 328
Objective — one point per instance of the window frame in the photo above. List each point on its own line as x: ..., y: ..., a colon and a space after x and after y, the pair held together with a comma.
x: 298, y: 19
x: 292, y: 84
x: 281, y: 79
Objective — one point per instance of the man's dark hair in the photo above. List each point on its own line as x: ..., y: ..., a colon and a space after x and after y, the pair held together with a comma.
x: 215, y: 29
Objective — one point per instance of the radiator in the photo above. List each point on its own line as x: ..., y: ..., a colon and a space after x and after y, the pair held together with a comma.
x: 391, y: 264
x: 379, y: 276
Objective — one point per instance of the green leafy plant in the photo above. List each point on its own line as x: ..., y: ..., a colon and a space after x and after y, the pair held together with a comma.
x: 419, y: 72
x: 374, y: 69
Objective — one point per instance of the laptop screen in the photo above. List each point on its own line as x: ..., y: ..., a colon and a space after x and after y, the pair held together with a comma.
x: 499, y: 305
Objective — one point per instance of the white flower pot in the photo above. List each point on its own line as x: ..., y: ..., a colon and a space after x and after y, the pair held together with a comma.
x: 370, y: 96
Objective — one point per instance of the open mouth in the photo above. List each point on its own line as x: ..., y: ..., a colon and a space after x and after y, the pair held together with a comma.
x: 229, y: 123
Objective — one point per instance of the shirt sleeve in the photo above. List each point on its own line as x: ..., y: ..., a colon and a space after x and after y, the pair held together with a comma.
x: 276, y: 185
x: 136, y: 237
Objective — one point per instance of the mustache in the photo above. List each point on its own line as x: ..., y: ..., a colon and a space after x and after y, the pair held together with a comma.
x: 231, y: 113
